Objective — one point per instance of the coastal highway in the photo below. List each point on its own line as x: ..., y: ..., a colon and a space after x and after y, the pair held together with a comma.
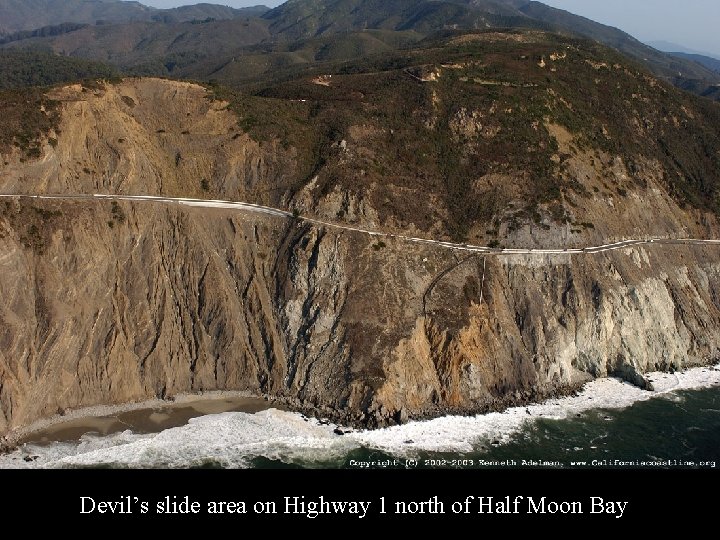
x: 283, y: 214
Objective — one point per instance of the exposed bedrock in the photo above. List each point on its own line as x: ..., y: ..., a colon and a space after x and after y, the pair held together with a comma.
x: 106, y: 303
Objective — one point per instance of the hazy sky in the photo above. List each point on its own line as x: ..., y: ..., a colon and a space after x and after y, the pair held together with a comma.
x: 692, y: 23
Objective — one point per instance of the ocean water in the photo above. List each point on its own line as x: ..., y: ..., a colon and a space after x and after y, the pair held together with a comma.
x: 609, y: 424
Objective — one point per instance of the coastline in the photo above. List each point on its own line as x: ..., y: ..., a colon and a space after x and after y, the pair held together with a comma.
x: 12, y: 440
x: 351, y: 419
x: 86, y: 418
x: 458, y: 434
x: 237, y: 439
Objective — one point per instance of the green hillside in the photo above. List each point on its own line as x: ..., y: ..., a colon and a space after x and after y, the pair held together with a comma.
x: 445, y: 119
x: 36, y: 68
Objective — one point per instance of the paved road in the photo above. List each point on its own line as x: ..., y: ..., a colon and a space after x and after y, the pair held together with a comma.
x: 249, y: 207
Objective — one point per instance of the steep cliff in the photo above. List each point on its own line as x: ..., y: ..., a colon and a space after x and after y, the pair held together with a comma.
x: 105, y: 302
x: 109, y: 303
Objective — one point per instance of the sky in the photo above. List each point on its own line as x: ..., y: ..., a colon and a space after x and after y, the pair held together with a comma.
x: 691, y: 23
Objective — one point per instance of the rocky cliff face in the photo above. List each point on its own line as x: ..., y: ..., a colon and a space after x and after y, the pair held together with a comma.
x: 108, y: 303
x: 104, y: 302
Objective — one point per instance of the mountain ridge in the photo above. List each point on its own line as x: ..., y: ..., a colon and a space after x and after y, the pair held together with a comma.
x: 275, y: 40
x: 27, y: 15
x: 670, y: 47
x: 707, y: 61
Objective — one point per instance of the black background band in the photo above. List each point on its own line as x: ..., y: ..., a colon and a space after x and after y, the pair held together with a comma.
x: 55, y: 497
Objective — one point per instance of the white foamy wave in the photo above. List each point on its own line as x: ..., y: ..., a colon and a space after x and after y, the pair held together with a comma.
x: 225, y: 440
x: 32, y: 456
x: 463, y: 434
x: 235, y: 439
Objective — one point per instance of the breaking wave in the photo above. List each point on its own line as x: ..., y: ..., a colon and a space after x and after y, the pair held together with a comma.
x: 236, y: 440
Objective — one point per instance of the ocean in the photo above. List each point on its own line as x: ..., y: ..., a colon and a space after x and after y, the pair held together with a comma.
x: 610, y: 424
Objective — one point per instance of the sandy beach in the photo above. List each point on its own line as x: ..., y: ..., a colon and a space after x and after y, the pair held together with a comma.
x: 145, y: 417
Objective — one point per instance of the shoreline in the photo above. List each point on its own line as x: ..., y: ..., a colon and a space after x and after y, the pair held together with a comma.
x: 14, y: 439
x: 235, y: 439
x: 88, y: 417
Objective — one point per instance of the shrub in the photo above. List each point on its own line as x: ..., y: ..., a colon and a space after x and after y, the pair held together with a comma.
x: 118, y: 214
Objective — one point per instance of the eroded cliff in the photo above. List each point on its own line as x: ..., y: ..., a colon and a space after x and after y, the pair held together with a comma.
x: 109, y: 303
